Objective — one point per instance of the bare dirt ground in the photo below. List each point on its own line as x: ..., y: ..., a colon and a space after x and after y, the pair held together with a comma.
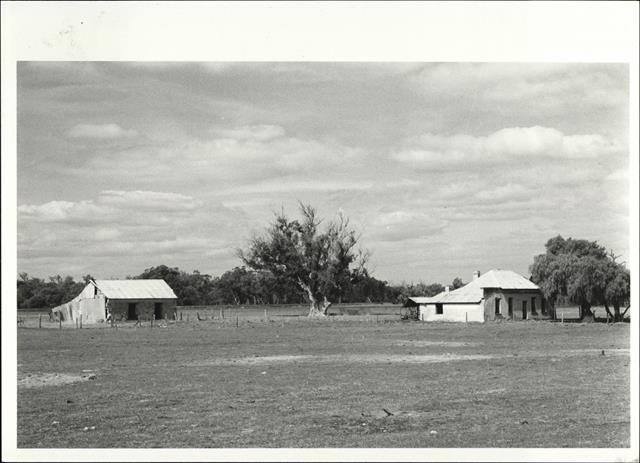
x: 51, y: 379
x: 325, y: 383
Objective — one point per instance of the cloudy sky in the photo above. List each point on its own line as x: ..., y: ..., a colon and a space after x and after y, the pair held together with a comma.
x: 444, y: 168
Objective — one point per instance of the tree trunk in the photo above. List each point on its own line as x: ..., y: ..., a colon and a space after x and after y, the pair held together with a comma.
x: 550, y: 308
x: 625, y: 312
x: 317, y: 308
x: 586, y: 315
x: 617, y: 316
x: 606, y: 308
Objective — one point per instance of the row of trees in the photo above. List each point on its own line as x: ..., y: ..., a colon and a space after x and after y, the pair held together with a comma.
x: 298, y: 261
x: 38, y: 293
x: 584, y: 273
x: 237, y: 286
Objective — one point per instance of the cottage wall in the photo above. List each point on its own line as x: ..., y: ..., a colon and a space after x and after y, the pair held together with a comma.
x: 490, y: 296
x: 452, y: 313
x: 119, y: 308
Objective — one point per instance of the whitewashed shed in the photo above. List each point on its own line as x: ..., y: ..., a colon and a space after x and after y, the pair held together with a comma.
x: 120, y: 299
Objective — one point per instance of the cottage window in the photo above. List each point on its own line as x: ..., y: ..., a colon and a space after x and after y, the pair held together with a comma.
x: 439, y: 309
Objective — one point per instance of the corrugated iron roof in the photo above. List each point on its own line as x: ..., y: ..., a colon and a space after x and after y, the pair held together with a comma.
x: 505, y: 279
x: 474, y: 290
x: 135, y: 289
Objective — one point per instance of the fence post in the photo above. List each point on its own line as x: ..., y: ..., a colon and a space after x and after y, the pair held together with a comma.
x: 266, y: 315
x: 236, y: 320
x: 60, y: 321
x: 80, y: 321
x: 562, y: 317
x: 466, y: 317
x: 153, y: 317
x: 181, y: 315
x: 221, y: 313
x: 40, y: 321
x: 76, y: 323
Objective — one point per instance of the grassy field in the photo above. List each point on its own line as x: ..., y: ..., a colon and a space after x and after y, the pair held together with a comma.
x: 337, y: 382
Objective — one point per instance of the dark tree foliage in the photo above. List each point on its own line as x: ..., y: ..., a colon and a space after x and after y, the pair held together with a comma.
x: 582, y: 272
x: 37, y: 293
x: 191, y: 288
x: 419, y: 289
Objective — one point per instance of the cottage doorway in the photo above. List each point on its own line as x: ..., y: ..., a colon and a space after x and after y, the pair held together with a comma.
x: 131, y: 311
x: 510, y: 300
x: 524, y: 310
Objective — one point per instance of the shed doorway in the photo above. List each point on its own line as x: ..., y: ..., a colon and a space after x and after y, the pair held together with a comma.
x: 157, y: 310
x: 131, y: 311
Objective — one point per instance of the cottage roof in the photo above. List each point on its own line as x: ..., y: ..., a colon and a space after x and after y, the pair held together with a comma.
x: 135, y: 289
x: 474, y: 291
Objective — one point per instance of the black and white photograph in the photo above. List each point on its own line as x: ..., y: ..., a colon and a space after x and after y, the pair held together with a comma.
x: 280, y: 254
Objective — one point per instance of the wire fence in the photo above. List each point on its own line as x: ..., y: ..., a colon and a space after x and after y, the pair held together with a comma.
x: 222, y: 315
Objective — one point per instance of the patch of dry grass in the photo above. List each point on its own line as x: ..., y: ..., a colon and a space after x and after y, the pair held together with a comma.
x: 534, y: 384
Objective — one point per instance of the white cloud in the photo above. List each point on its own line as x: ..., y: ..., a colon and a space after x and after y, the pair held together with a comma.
x: 110, y: 205
x: 120, y: 230
x: 226, y: 161
x: 148, y: 200
x: 106, y: 234
x: 59, y: 211
x: 502, y: 193
x: 100, y: 131
x: 547, y: 84
x: 250, y: 132
x: 403, y: 225
x: 431, y: 151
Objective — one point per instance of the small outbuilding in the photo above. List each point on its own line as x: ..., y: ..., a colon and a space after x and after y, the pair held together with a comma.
x: 119, y: 300
x: 498, y: 294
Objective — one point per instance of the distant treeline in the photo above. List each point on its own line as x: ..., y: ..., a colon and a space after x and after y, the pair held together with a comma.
x: 237, y: 286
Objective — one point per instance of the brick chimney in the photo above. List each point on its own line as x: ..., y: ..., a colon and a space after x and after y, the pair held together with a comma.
x: 476, y: 274
x: 446, y: 289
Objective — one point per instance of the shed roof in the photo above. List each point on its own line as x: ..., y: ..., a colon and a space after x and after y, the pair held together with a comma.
x: 135, y: 289
x: 474, y: 290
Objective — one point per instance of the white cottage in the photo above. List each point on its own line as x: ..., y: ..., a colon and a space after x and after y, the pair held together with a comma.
x: 498, y: 294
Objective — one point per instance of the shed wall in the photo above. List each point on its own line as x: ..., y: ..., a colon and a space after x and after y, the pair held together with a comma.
x: 144, y: 308
x: 452, y: 313
x: 92, y: 310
